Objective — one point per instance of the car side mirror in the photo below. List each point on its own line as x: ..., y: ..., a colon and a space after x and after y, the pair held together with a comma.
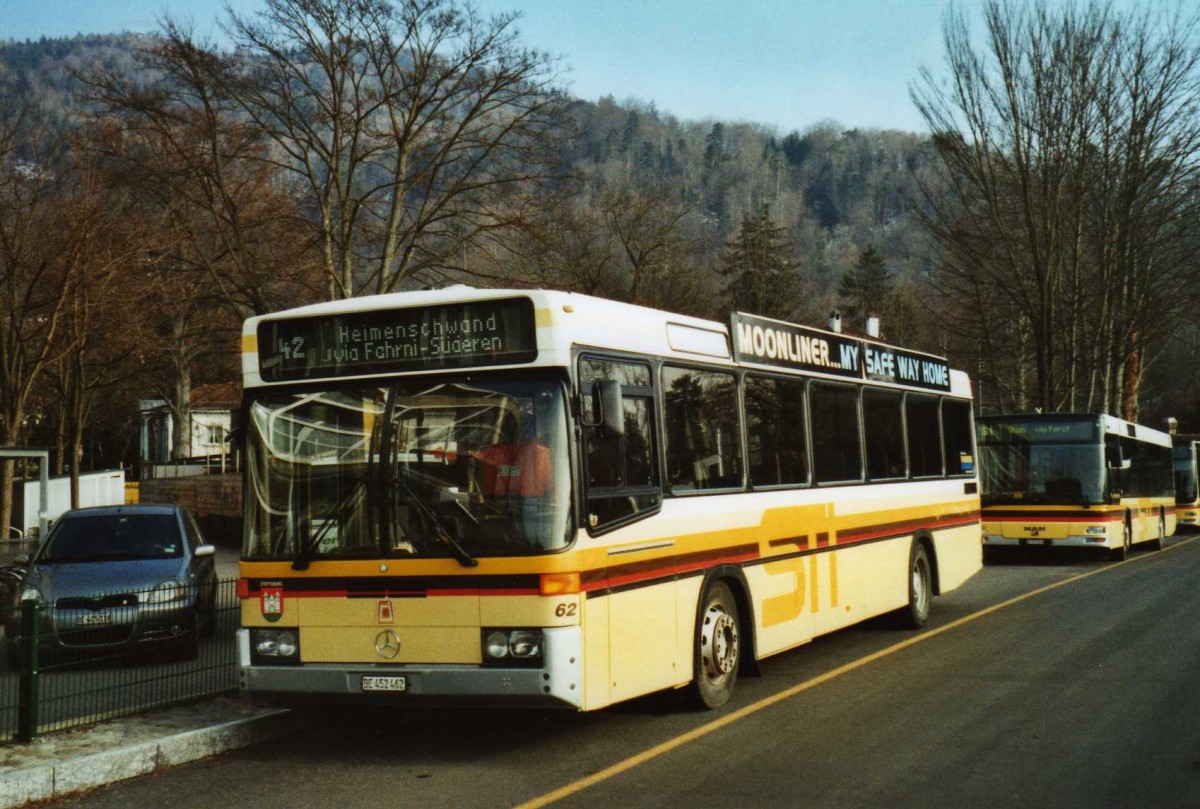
x: 205, y: 550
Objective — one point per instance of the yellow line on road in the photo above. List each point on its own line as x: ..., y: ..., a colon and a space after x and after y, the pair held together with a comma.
x: 704, y: 730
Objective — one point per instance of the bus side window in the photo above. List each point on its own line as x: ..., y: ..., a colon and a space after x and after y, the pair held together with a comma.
x: 775, y: 431
x: 957, y: 435
x: 837, y: 456
x: 883, y: 429
x: 620, y: 471
x: 702, y: 429
x: 924, y: 436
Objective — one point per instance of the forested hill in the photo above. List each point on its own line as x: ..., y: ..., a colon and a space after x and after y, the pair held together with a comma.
x: 835, y: 191
x: 832, y: 192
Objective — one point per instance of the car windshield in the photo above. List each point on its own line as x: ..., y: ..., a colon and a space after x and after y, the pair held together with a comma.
x: 111, y: 537
x: 1047, y: 473
x: 408, y: 469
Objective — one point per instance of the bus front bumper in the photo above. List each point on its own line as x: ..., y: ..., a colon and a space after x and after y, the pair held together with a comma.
x: 997, y: 541
x: 559, y: 680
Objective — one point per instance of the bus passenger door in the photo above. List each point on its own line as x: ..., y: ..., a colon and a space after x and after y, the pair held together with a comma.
x: 622, y: 495
x: 643, y: 624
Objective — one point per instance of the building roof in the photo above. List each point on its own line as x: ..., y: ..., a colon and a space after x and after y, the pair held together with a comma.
x: 224, y: 395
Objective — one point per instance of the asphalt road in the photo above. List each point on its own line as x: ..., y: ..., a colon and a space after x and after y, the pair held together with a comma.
x: 1064, y: 682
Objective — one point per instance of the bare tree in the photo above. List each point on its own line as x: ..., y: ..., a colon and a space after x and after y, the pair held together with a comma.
x: 180, y: 140
x: 1069, y: 149
x: 107, y: 235
x: 36, y: 275
x: 405, y: 122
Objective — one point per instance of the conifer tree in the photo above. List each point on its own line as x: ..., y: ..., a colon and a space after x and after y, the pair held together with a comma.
x: 865, y: 288
x: 760, y: 270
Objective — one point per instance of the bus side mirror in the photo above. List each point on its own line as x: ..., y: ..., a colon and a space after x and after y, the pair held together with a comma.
x: 612, y: 411
x: 606, y: 398
x: 1113, y: 457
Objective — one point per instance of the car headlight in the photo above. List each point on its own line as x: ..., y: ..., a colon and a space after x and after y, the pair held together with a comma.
x: 166, y: 592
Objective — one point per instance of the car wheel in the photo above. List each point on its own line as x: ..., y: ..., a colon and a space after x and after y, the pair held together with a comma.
x: 208, y: 624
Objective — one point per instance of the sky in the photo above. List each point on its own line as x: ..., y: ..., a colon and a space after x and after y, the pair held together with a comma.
x: 784, y: 63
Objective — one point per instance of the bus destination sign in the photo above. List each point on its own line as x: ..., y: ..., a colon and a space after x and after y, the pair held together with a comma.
x: 1056, y: 430
x: 453, y: 335
x: 786, y: 345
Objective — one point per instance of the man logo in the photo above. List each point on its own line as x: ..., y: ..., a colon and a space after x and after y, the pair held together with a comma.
x: 387, y: 644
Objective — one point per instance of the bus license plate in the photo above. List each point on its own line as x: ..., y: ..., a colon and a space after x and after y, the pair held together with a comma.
x: 371, y: 683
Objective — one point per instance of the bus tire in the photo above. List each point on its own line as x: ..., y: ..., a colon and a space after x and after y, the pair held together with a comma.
x: 1119, y: 554
x: 718, y: 647
x: 1160, y: 541
x: 920, y: 588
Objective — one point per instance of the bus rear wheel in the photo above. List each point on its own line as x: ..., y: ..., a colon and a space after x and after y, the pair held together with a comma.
x: 1160, y: 541
x: 920, y: 588
x: 718, y: 647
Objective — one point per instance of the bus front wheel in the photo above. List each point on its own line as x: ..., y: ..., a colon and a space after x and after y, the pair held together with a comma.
x: 1118, y: 554
x: 717, y: 647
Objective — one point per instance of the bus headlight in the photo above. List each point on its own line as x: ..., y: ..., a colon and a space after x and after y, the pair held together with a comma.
x: 525, y: 643
x: 513, y: 646
x: 274, y: 646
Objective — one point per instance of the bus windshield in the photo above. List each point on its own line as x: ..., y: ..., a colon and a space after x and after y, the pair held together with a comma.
x: 1049, y: 473
x: 410, y: 468
x: 1185, y: 474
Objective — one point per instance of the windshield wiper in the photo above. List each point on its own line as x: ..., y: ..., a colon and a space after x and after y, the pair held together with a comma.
x: 430, y: 519
x: 304, y: 555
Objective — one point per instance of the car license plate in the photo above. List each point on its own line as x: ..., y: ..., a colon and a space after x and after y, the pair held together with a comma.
x: 372, y: 683
x: 94, y: 619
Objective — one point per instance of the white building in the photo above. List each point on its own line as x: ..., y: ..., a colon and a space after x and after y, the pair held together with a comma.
x: 212, y: 409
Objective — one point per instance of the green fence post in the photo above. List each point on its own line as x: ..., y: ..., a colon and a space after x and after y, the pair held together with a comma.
x: 28, y: 651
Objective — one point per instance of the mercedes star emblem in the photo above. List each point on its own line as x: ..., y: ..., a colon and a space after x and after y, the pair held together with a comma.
x: 387, y: 644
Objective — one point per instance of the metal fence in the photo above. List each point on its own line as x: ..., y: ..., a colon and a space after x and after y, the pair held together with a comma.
x: 82, y: 660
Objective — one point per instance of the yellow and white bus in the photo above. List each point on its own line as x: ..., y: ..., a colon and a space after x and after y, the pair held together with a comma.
x: 1187, y: 493
x: 1085, y: 480
x: 548, y: 497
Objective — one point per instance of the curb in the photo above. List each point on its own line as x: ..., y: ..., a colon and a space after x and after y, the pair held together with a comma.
x: 42, y: 782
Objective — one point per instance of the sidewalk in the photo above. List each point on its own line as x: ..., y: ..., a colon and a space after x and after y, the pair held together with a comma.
x: 70, y: 761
